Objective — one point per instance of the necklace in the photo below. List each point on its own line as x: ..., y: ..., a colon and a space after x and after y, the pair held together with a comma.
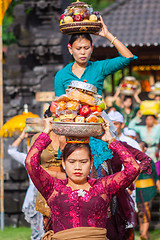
x: 81, y: 193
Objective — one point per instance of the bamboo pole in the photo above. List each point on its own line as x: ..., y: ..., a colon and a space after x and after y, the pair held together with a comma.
x: 1, y: 138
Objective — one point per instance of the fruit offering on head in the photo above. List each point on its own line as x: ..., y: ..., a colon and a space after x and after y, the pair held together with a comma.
x: 73, y: 105
x: 129, y: 83
x: 100, y: 120
x: 92, y: 118
x: 61, y: 106
x: 68, y: 19
x: 53, y: 106
x: 77, y: 18
x: 67, y: 116
x: 93, y: 18
x: 85, y: 110
x: 156, y: 88
x: 80, y: 119
x: 80, y: 104
x: 93, y: 109
x: 79, y: 11
x: 101, y: 104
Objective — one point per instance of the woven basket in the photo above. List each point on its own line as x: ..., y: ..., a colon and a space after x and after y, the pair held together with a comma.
x: 77, y: 129
x: 34, y: 125
x: 127, y: 92
x: 80, y: 27
x: 155, y: 92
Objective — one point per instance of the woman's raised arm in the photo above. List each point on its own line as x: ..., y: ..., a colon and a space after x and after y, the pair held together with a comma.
x: 119, y: 181
x: 125, y: 52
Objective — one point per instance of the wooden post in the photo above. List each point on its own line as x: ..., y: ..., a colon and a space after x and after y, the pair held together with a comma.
x: 1, y: 138
x: 4, y: 4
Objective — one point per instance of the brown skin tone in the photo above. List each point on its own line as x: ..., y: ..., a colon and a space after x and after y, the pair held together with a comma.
x: 20, y: 138
x: 119, y: 127
x: 81, y: 50
x: 157, y: 98
x: 150, y: 121
x: 127, y: 105
x: 78, y: 161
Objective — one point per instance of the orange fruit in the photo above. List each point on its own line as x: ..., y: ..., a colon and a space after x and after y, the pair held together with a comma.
x: 98, y: 109
x: 93, y: 109
x: 61, y: 106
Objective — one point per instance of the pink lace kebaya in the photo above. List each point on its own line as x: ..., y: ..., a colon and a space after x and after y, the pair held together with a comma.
x: 79, y: 208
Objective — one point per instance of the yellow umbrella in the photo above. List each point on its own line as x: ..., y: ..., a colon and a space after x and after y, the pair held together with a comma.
x: 16, y: 124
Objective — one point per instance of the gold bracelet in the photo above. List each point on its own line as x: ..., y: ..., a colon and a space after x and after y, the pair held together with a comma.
x: 113, y: 40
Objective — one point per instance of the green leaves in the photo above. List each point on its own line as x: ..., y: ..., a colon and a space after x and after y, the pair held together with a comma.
x: 8, y: 37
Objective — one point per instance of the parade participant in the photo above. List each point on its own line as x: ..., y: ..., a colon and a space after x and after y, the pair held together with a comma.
x: 80, y: 47
x: 79, y: 204
x: 50, y: 161
x: 145, y: 191
x: 118, y: 120
x: 124, y: 104
x: 31, y: 215
x: 126, y: 203
x: 127, y: 110
x: 130, y: 133
x: 149, y: 133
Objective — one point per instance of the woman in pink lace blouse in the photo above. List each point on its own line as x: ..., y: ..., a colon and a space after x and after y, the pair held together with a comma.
x: 78, y: 203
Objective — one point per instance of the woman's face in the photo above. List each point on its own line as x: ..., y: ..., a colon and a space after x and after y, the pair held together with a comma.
x: 81, y: 50
x: 128, y: 103
x: 78, y: 165
x: 150, y: 120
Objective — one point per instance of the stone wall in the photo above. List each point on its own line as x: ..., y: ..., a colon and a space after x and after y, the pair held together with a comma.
x: 30, y: 66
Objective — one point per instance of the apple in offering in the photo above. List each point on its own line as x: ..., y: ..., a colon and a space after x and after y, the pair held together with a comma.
x: 85, y: 110
x: 53, y: 106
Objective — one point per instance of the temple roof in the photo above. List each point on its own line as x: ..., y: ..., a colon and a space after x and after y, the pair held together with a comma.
x: 134, y: 22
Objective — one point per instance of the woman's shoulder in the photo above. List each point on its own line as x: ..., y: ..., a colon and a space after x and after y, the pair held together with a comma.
x: 60, y: 183
x: 96, y: 182
x: 98, y: 62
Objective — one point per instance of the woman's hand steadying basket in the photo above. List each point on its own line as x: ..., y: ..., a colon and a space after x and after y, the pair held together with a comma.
x: 107, y: 136
x: 103, y: 32
x: 47, y: 125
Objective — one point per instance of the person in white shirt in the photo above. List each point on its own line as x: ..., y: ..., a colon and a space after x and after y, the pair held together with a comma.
x: 31, y: 215
x: 118, y: 120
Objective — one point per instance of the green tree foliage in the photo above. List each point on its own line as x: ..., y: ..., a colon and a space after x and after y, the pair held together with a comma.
x: 8, y: 37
